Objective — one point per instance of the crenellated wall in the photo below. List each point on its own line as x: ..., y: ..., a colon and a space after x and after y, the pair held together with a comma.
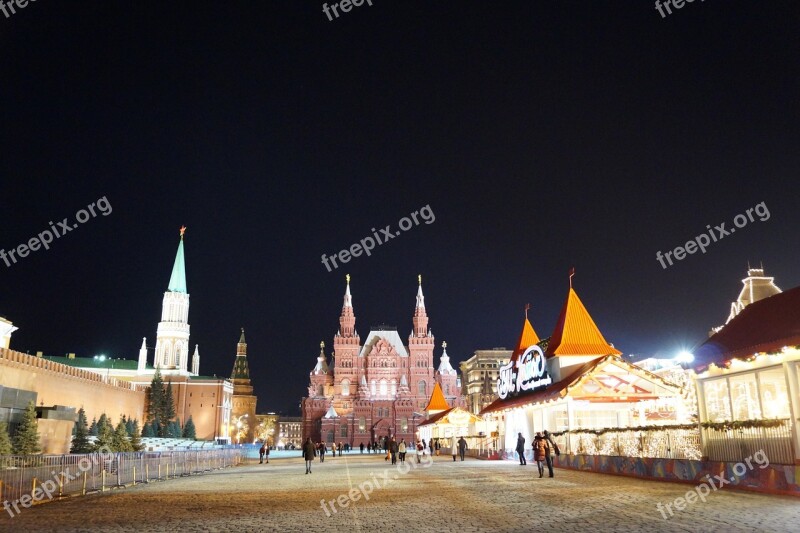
x: 59, y: 384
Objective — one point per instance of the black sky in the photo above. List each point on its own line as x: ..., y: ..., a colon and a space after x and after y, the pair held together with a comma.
x: 543, y: 135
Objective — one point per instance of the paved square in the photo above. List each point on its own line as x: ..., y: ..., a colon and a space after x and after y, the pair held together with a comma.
x: 446, y: 496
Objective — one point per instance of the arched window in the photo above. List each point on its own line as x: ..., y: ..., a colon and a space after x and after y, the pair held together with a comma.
x: 422, y: 388
x: 394, y: 387
x: 384, y: 388
x: 345, y: 387
x: 320, y: 390
x: 372, y: 387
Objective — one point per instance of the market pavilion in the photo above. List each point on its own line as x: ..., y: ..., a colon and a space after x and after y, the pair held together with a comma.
x: 576, y: 380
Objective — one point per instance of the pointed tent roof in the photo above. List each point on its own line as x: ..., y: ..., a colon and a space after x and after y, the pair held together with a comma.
x: 420, y: 296
x: 444, y: 362
x: 240, y: 368
x: 576, y: 333
x: 437, y: 401
x: 177, y: 281
x: 241, y: 338
x: 348, y: 298
x: 322, y: 363
x: 331, y: 413
x: 527, y: 338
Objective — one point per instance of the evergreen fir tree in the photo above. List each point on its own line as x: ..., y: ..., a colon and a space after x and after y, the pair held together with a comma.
x: 93, y: 428
x: 136, y: 440
x: 174, y: 429
x: 119, y: 439
x: 168, y: 413
x: 5, y: 440
x: 155, y: 398
x: 103, y: 420
x: 26, y: 442
x: 105, y: 435
x: 189, y: 431
x: 80, y: 439
x: 129, y: 426
x: 147, y: 431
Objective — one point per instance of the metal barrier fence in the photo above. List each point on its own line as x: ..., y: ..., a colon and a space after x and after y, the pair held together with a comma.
x: 39, y: 478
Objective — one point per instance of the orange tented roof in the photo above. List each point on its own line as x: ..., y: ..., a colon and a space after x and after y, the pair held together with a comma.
x: 437, y: 401
x: 576, y: 333
x: 527, y: 338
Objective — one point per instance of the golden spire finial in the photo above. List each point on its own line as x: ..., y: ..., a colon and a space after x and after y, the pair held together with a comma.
x: 347, y: 277
x: 183, y: 230
x: 419, y: 278
x: 444, y: 344
x: 321, y: 344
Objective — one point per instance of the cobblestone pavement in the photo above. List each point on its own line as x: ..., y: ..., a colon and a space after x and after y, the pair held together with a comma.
x: 445, y: 496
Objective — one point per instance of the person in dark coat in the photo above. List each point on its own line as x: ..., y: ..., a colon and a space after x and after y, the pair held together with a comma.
x: 553, y: 449
x: 261, y: 454
x: 541, y: 451
x: 521, y: 449
x: 309, y: 452
x: 462, y: 447
x: 393, y: 448
x: 322, y: 450
x: 362, y: 447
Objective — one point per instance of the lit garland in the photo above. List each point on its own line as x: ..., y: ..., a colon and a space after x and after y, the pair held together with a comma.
x: 745, y: 424
x: 602, y: 431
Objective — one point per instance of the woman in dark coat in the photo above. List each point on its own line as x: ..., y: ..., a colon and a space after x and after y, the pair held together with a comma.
x: 541, y: 450
x: 309, y: 452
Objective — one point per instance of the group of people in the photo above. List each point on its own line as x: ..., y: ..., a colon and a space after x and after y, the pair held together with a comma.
x: 262, y: 452
x: 544, y: 447
x: 394, y: 450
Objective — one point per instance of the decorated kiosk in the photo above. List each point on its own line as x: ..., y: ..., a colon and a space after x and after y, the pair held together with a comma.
x: 575, y: 380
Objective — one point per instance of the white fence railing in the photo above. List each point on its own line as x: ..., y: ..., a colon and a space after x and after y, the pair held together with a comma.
x: 39, y: 478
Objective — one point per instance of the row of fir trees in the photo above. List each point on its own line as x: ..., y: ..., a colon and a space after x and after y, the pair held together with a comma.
x: 124, y: 437
x: 162, y: 420
x: 26, y: 441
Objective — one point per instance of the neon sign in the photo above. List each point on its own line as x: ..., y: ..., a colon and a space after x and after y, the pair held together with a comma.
x: 529, y: 372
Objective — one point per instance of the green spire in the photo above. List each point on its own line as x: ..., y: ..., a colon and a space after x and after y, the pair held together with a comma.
x: 177, y: 281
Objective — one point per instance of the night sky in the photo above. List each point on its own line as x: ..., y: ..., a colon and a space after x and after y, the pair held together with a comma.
x: 542, y: 136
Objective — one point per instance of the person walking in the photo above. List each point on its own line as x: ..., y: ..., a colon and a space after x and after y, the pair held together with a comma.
x: 553, y: 450
x: 333, y: 449
x: 341, y: 447
x: 462, y: 447
x: 322, y: 450
x: 521, y: 449
x: 362, y: 447
x: 438, y: 447
x: 420, y: 451
x: 266, y: 453
x: 393, y: 449
x: 261, y: 453
x: 541, y: 450
x: 454, y: 447
x: 309, y: 452
x: 430, y: 447
x: 401, y: 449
